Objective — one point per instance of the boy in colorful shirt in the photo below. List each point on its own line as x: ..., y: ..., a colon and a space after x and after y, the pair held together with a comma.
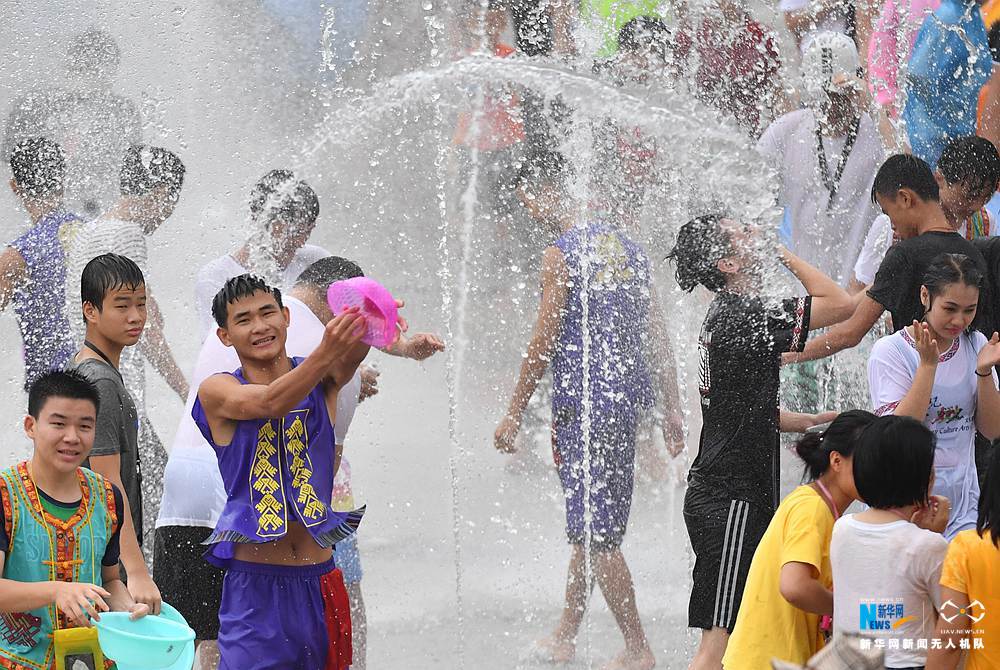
x: 54, y: 507
x: 271, y: 425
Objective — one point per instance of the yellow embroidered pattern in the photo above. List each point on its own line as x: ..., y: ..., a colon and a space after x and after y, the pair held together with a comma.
x: 612, y: 260
x: 270, y: 510
x: 310, y: 506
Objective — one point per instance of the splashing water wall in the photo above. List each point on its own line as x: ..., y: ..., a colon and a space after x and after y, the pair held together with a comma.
x: 463, y: 549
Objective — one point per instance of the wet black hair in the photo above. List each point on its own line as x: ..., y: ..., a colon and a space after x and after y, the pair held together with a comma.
x: 841, y: 436
x: 989, y: 500
x: 281, y: 195
x: 93, y: 52
x: 38, y: 166
x: 994, y: 40
x: 237, y: 288
x: 61, y: 384
x: 328, y: 270
x: 106, y: 273
x: 144, y: 168
x: 893, y: 462
x: 645, y: 32
x: 701, y: 244
x: 972, y: 162
x: 947, y: 269
x: 542, y: 165
x: 905, y: 171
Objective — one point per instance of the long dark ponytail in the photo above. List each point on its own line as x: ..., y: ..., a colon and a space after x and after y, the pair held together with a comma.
x: 841, y: 436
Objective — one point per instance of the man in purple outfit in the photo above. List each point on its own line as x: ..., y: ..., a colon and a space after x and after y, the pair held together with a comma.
x: 597, y: 303
x: 33, y: 267
x: 284, y: 604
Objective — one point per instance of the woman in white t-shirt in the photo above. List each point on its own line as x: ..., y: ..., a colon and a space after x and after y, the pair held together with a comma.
x: 942, y: 374
x: 887, y: 559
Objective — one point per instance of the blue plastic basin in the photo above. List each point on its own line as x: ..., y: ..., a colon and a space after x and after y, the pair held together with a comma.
x: 149, y: 642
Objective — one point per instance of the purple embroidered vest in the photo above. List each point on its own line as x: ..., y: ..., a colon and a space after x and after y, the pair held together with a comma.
x: 277, y: 471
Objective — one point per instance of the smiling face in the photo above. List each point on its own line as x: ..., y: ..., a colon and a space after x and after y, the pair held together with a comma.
x: 951, y: 311
x: 122, y: 315
x: 256, y: 327
x: 63, y: 433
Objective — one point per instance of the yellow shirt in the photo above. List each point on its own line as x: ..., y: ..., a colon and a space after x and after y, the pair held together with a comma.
x: 972, y: 567
x: 991, y: 12
x: 768, y: 626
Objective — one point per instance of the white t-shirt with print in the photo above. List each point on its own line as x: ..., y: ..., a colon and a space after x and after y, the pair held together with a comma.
x: 827, y: 237
x: 193, y: 491
x: 214, y: 275
x: 951, y: 414
x: 896, y: 565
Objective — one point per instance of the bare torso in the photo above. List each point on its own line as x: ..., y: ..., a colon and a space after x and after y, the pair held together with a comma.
x: 297, y: 547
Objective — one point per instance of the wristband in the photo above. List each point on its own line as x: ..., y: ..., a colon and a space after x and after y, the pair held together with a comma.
x: 988, y: 374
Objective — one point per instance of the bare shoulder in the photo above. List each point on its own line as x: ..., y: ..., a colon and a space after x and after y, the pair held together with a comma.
x: 216, y: 385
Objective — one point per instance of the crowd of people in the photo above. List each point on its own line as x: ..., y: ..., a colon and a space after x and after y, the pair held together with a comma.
x: 887, y: 176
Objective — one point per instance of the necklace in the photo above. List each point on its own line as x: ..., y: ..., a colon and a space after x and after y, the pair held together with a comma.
x: 832, y: 183
x: 93, y: 347
x: 829, y: 499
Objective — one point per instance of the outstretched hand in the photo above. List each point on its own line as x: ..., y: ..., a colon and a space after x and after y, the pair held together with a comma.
x: 925, y: 344
x: 506, y: 434
x: 824, y: 417
x: 989, y: 356
x: 421, y: 346
x: 369, y: 383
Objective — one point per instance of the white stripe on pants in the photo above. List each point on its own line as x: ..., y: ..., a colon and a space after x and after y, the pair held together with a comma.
x: 729, y: 566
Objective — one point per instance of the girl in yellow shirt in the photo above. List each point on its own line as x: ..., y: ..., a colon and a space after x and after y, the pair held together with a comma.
x: 788, y: 588
x: 970, y: 588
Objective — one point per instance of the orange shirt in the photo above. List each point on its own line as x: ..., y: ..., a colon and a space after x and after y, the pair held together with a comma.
x: 972, y: 567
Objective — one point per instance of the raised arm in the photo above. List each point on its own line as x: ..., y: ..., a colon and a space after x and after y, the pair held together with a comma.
x: 224, y: 398
x: 536, y: 360
x: 842, y: 336
x: 800, y: 422
x: 916, y: 401
x: 157, y: 351
x: 830, y: 303
x: 987, y: 396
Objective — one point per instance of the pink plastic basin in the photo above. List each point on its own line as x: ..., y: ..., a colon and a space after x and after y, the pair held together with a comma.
x: 375, y: 302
